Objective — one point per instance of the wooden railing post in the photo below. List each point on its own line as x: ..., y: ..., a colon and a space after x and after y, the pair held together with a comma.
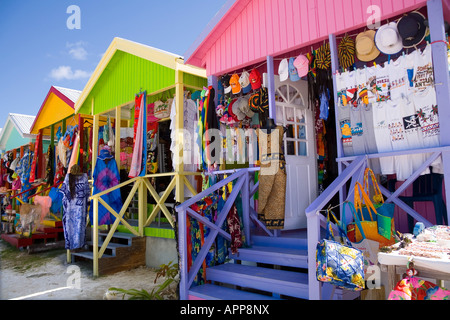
x: 313, y: 225
x: 182, y: 248
x: 142, y: 200
x: 246, y: 208
x: 95, y: 237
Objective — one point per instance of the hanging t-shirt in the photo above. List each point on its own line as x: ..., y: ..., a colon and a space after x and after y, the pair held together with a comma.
x: 341, y: 88
x: 345, y: 129
x: 369, y: 136
x: 361, y: 84
x: 358, y: 131
x: 413, y: 134
x: 383, y: 137
x: 382, y: 83
x: 351, y: 88
x: 395, y: 112
x: 423, y: 70
x: 398, y: 78
x: 371, y: 76
x: 427, y: 110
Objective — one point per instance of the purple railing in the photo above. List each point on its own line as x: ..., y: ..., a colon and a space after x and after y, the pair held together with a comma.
x: 247, y: 189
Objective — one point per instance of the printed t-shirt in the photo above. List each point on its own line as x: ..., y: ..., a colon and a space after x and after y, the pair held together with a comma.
x: 383, y: 137
x: 423, y: 70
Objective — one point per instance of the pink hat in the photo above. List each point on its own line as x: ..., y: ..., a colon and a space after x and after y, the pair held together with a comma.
x: 302, y: 65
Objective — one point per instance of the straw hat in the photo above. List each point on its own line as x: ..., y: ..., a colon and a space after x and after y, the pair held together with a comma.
x: 365, y: 46
x: 388, y: 40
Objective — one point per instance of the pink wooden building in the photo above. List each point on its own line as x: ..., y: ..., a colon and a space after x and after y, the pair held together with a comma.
x: 249, y: 34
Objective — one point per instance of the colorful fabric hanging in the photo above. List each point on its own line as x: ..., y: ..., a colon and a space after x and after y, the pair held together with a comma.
x: 75, y: 209
x: 106, y: 175
x: 140, y: 144
x: 37, y: 155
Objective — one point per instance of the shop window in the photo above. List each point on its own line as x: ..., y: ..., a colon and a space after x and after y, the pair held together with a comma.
x: 290, y: 113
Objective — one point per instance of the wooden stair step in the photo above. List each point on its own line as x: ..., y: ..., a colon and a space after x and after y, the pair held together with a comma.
x: 214, y: 292
x: 89, y: 255
x: 288, y: 257
x: 280, y: 242
x: 290, y: 283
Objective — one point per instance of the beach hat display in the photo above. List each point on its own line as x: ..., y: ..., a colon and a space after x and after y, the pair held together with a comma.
x: 412, y: 29
x: 255, y: 79
x: 234, y: 83
x: 293, y: 73
x: 238, y: 107
x: 388, y: 40
x: 366, y: 49
x: 226, y: 83
x: 302, y: 65
x: 323, y: 56
x: 283, y: 70
x: 346, y: 51
x: 244, y: 81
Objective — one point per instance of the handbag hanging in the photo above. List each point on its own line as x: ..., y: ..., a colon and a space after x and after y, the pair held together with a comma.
x: 368, y: 247
x: 385, y: 210
x: 370, y: 227
x: 339, y: 263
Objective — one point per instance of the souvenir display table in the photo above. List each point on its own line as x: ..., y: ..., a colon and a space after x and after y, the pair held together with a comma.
x: 429, y: 251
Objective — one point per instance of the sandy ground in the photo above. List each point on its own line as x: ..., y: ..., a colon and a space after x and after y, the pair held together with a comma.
x: 47, y: 276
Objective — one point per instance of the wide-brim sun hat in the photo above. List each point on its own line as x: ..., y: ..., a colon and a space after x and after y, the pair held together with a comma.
x: 366, y: 49
x: 388, y: 40
x: 412, y: 28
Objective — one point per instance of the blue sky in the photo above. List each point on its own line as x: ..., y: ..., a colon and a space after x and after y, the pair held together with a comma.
x: 38, y: 50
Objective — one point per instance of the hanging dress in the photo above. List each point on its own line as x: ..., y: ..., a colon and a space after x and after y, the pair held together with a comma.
x: 106, y: 176
x: 75, y: 210
x: 272, y: 179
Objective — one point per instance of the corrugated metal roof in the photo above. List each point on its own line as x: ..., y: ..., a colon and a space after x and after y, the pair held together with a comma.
x: 69, y: 93
x: 22, y: 122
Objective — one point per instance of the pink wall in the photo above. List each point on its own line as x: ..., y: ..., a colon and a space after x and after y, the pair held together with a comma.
x: 257, y: 28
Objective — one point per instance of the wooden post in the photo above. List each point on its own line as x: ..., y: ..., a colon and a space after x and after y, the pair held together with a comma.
x: 442, y: 83
x: 95, y: 237
x: 81, y: 133
x: 334, y: 69
x: 142, y: 200
x: 95, y: 142
x: 271, y: 88
x: 182, y: 250
x: 245, y: 195
x: 117, y: 136
x: 179, y: 125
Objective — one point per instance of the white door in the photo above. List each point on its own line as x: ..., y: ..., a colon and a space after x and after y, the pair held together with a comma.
x: 292, y: 112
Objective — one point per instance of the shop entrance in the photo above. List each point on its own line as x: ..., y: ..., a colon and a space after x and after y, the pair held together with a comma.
x: 292, y: 112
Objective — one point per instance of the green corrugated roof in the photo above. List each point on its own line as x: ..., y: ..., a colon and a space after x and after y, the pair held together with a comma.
x: 125, y: 75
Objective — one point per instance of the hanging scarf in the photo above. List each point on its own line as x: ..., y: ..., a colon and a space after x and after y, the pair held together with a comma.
x: 37, y: 155
x: 140, y: 143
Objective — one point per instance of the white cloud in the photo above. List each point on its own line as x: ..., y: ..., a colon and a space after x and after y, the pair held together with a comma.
x: 77, y: 50
x: 66, y: 73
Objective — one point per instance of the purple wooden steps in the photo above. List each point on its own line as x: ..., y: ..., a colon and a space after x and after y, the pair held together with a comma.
x: 270, y: 281
x: 215, y: 292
